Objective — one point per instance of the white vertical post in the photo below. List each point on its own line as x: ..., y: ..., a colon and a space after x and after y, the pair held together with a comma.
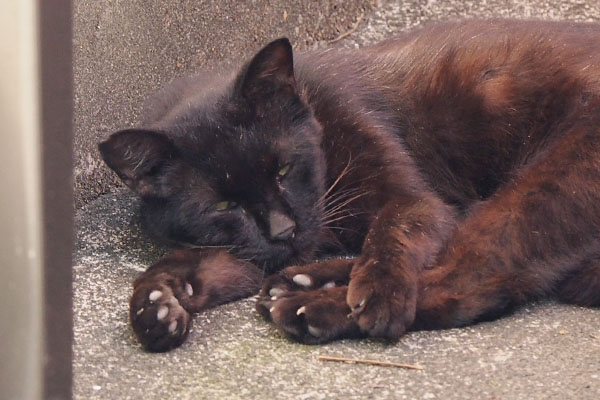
x: 21, y: 255
x: 35, y: 199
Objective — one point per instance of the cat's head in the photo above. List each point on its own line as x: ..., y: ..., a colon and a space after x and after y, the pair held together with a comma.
x: 245, y: 171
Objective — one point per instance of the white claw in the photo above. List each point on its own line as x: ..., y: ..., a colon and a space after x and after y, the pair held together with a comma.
x: 272, y: 309
x: 275, y: 291
x: 362, y: 303
x: 301, y: 310
x: 155, y: 295
x: 302, y: 280
x: 173, y: 326
x: 162, y: 312
x: 316, y: 332
x: 273, y: 298
x: 189, y: 289
x: 328, y: 285
x: 141, y: 310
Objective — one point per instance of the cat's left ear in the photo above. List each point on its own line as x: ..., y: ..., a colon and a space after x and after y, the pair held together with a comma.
x: 141, y: 158
x: 270, y: 71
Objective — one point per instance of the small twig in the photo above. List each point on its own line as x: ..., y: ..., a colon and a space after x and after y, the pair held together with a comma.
x: 594, y: 336
x: 369, y: 362
x: 351, y: 31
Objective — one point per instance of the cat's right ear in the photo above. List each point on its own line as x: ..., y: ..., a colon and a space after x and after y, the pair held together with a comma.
x: 270, y: 70
x: 140, y: 158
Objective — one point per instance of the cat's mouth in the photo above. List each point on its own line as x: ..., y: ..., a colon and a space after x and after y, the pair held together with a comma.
x: 283, y: 253
x: 280, y: 253
x: 299, y: 249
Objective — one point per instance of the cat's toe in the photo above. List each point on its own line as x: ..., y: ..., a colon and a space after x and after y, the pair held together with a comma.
x: 276, y: 291
x: 278, y: 284
x: 264, y: 304
x: 383, y: 304
x: 321, y: 275
x: 159, y: 321
x: 310, y: 317
x: 303, y: 280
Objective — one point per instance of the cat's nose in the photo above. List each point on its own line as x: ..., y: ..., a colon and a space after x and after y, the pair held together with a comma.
x: 281, y: 226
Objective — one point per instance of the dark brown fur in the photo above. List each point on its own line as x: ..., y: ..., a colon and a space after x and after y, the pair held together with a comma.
x: 463, y: 163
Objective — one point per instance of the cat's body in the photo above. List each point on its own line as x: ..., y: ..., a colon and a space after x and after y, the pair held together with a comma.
x: 459, y: 163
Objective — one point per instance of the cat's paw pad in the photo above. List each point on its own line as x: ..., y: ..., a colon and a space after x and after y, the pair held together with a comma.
x: 383, y: 303
x: 158, y: 319
x: 311, y: 317
x: 322, y: 275
x: 287, y: 281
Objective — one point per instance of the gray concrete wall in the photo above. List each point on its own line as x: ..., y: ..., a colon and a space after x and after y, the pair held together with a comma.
x: 126, y: 49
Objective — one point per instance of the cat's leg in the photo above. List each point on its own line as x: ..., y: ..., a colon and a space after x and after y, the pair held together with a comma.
x: 582, y: 285
x: 405, y: 237
x: 185, y: 282
x: 523, y: 241
x: 325, y: 274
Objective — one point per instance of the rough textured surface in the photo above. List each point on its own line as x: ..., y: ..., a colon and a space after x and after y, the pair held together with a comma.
x: 543, y: 351
x: 125, y: 50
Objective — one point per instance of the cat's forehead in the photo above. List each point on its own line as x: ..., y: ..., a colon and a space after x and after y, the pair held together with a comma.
x: 235, y: 155
x: 219, y: 138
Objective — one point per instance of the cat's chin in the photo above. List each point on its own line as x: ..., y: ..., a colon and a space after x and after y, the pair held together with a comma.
x: 280, y: 255
x: 296, y: 251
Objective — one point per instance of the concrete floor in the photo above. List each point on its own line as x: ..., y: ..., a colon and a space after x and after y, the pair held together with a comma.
x: 543, y: 351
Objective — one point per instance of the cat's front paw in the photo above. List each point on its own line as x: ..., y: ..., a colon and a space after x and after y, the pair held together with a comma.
x: 320, y: 275
x: 382, y: 298
x: 311, y: 317
x: 157, y: 317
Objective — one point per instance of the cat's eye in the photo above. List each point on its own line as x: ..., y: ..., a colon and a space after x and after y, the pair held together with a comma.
x: 224, y: 205
x: 284, y: 170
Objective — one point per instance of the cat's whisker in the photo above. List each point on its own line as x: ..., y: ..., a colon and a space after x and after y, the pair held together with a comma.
x: 335, y: 194
x: 336, y: 215
x: 338, y: 219
x: 339, y: 228
x: 335, y: 210
x: 337, y: 180
x: 346, y: 202
x: 339, y: 213
x: 328, y: 202
x: 199, y: 247
x: 340, y: 196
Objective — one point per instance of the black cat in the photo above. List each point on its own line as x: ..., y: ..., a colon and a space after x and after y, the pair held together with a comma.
x: 459, y: 163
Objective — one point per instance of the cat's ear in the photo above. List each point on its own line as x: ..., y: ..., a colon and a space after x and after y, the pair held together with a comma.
x: 140, y: 158
x: 271, y: 70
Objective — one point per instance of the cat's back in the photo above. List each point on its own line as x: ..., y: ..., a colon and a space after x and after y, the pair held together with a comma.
x: 486, y: 90
x: 486, y: 53
x: 494, y: 66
